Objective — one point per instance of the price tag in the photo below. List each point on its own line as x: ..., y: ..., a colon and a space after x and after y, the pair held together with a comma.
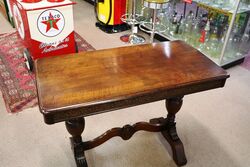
x: 188, y: 1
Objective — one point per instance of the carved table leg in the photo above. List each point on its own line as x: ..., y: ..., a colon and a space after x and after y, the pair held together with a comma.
x: 173, y: 105
x: 75, y: 127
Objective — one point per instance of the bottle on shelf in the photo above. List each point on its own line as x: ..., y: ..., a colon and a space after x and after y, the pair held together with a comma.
x: 167, y: 18
x: 196, y: 33
x: 178, y: 29
x: 203, y: 20
x: 212, y: 46
x: 188, y: 27
x: 161, y: 17
x: 222, y: 23
x: 173, y: 26
x: 205, y: 33
x: 181, y: 28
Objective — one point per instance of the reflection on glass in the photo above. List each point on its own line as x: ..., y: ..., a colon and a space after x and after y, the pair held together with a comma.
x: 206, y: 31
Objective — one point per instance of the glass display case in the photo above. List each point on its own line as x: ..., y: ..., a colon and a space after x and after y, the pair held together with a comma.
x: 218, y: 28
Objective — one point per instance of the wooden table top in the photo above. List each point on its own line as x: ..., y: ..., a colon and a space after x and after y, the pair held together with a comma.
x: 88, y: 83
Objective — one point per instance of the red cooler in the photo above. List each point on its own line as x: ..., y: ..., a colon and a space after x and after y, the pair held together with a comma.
x: 45, y: 26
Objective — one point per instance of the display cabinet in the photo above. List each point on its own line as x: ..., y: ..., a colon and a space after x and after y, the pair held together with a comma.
x: 218, y: 28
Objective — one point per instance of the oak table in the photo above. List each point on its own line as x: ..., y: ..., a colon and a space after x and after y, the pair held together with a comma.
x: 74, y: 86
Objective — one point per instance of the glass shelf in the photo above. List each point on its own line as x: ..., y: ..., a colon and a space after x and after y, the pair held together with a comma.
x: 222, y: 35
x: 226, y: 7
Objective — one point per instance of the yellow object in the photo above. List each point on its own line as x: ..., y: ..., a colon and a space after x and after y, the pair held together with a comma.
x: 104, y: 12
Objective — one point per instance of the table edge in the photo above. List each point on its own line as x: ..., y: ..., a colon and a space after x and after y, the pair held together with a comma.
x: 74, y: 111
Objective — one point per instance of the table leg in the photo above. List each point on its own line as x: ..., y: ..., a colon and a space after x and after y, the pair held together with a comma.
x: 75, y: 127
x: 173, y: 105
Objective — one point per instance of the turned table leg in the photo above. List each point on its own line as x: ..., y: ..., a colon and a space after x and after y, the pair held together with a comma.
x: 75, y: 127
x: 173, y: 105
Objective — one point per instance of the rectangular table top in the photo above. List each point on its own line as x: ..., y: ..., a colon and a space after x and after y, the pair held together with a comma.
x: 88, y: 83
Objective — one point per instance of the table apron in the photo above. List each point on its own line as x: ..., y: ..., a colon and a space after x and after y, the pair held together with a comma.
x: 83, y: 111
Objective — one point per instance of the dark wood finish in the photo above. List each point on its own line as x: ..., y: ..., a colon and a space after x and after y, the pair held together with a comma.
x: 126, y: 132
x: 75, y: 127
x: 90, y: 83
x: 173, y: 105
x: 106, y: 80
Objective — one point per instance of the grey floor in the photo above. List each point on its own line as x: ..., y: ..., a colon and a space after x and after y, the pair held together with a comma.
x: 213, y: 125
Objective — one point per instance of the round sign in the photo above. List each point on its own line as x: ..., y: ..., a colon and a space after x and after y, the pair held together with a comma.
x: 50, y: 23
x: 18, y: 21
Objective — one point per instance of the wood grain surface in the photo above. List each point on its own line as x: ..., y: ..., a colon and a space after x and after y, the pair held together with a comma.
x: 67, y: 85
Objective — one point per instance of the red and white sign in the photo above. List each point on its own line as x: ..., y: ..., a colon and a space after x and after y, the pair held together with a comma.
x: 46, y: 28
x: 50, y: 22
